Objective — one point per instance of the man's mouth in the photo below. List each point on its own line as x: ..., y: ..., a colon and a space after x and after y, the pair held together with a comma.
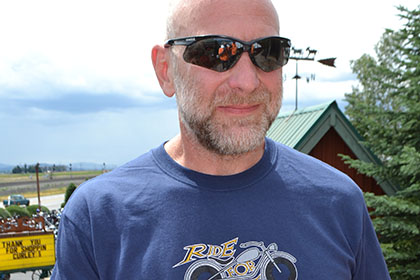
x: 241, y: 109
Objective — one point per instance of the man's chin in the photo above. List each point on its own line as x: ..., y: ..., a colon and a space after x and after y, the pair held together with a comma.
x: 236, y: 141
x: 232, y: 137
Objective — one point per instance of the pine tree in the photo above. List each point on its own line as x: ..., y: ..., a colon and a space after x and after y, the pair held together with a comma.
x: 385, y: 109
x: 69, y: 191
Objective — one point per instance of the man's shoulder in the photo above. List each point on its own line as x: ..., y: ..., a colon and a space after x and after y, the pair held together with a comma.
x: 316, y: 183
x: 311, y: 173
x: 134, y: 168
x: 291, y: 158
x: 113, y: 186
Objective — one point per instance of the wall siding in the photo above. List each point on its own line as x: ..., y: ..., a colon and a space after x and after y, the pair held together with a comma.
x: 328, y: 149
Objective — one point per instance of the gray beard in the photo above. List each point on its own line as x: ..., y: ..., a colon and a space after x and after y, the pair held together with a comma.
x: 217, y: 137
x: 235, y: 137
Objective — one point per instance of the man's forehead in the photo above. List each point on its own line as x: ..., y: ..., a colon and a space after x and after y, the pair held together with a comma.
x: 225, y: 17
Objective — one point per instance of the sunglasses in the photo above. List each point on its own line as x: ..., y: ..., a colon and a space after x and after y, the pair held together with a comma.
x: 220, y: 53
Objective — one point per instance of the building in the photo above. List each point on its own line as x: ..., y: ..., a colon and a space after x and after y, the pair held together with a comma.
x: 324, y: 132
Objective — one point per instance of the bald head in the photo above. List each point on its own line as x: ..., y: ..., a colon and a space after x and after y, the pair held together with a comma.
x: 199, y: 17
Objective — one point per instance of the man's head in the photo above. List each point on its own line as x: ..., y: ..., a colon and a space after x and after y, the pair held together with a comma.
x: 228, y: 112
x: 197, y: 17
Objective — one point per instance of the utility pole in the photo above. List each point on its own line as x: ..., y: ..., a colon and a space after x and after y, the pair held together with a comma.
x: 37, y: 186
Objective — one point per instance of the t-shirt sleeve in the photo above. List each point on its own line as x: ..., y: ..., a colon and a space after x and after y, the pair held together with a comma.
x: 75, y: 251
x: 370, y: 263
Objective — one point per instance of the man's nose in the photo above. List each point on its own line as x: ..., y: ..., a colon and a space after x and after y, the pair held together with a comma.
x: 244, y: 75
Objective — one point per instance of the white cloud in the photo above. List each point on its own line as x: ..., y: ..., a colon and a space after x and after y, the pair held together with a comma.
x: 95, y: 45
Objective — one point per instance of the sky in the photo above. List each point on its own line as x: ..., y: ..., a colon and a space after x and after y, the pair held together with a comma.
x: 77, y: 83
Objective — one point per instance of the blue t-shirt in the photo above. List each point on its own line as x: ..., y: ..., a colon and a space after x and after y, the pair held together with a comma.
x: 288, y: 217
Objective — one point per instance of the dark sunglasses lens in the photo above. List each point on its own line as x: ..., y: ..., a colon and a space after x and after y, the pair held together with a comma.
x: 270, y: 54
x: 217, y: 54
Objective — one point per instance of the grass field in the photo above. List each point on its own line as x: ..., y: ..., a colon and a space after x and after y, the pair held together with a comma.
x: 53, y: 191
x: 6, y: 178
x: 25, y: 184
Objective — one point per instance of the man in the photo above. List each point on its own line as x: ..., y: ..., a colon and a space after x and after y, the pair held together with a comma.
x: 220, y: 201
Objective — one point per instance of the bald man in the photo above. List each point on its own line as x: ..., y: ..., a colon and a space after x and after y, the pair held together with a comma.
x: 219, y: 200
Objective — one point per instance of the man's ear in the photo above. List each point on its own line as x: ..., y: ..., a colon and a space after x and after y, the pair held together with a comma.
x: 160, y: 60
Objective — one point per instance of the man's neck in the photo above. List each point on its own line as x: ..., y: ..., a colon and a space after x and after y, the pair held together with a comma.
x: 192, y: 155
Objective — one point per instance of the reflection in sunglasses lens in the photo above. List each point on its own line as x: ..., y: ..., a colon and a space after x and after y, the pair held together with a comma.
x: 221, y: 54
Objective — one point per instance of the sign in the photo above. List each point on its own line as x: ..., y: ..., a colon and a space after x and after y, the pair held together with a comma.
x: 30, y: 250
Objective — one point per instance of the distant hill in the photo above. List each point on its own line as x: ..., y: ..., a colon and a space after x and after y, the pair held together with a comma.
x: 5, y: 168
x: 77, y: 166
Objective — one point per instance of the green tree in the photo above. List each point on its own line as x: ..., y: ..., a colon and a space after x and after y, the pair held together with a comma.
x: 31, y: 169
x: 4, y: 213
x: 32, y: 209
x: 17, y: 170
x: 385, y: 109
x: 16, y: 210
x: 69, y: 191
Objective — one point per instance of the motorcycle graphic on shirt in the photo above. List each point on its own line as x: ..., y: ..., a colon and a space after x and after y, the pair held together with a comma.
x: 255, y: 262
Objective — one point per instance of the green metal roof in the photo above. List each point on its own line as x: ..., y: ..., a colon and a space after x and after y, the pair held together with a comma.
x: 290, y: 128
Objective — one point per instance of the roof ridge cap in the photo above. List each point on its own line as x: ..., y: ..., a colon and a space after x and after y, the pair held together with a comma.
x: 306, y: 110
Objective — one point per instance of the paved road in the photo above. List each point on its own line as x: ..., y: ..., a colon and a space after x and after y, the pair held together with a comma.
x: 44, y: 180
x: 51, y: 202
